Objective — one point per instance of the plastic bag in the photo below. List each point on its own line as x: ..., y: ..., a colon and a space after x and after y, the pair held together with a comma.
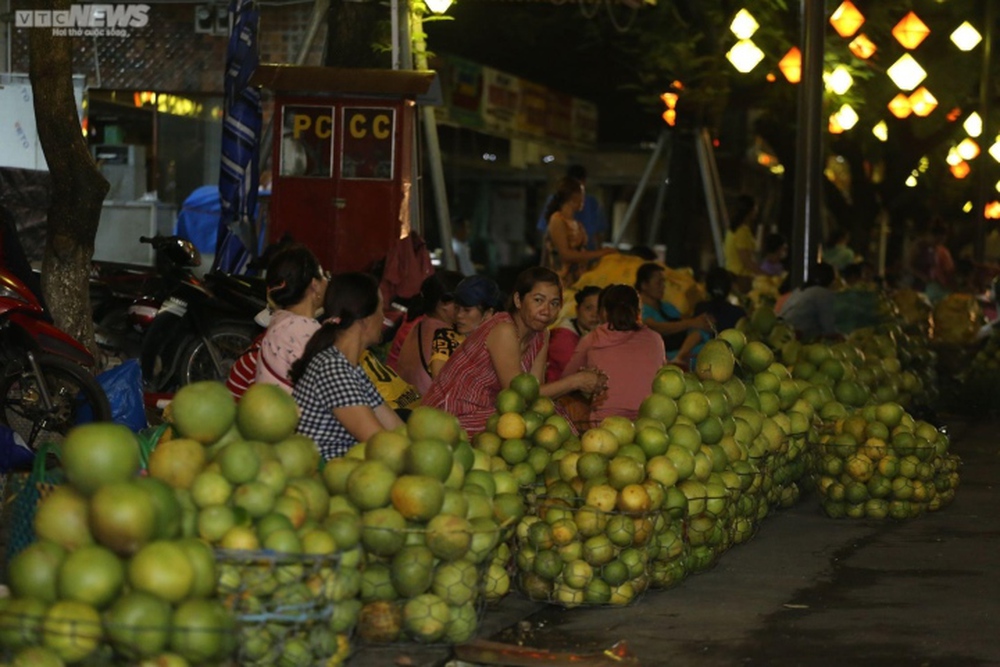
x: 15, y: 455
x: 123, y: 386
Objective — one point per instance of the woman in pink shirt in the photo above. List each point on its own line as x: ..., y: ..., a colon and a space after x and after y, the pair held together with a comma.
x: 625, y: 350
x: 296, y: 287
x: 438, y: 296
x: 564, y: 337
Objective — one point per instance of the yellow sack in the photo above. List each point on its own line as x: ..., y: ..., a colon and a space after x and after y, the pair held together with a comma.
x: 681, y: 290
x: 913, y: 307
x: 957, y: 319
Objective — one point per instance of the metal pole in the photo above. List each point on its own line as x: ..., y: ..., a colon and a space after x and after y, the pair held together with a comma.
x: 808, y: 154
x: 661, y: 197
x: 394, y: 29
x: 641, y: 187
x: 712, y: 202
x: 984, y: 111
x: 434, y: 152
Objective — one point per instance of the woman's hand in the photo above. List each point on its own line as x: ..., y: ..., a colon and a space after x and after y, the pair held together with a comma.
x: 703, y: 321
x: 590, y: 381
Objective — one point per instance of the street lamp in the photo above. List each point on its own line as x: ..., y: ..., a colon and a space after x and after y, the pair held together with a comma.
x: 791, y: 65
x: 906, y: 72
x: 846, y: 19
x: 862, y: 47
x: 438, y: 6
x: 910, y: 31
x: 965, y: 37
x: 745, y: 56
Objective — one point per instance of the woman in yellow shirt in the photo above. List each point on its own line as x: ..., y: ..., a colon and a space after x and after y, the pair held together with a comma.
x: 740, y: 247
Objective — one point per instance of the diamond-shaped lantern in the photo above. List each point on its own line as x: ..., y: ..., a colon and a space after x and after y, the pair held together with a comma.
x: 899, y: 106
x: 906, y: 72
x: 834, y: 125
x: 881, y: 131
x: 744, y: 25
x: 862, y: 47
x: 847, y: 117
x: 992, y: 210
x: 922, y: 102
x: 910, y: 31
x: 965, y: 37
x: 791, y: 65
x: 960, y: 170
x: 968, y: 149
x: 846, y: 19
x: 973, y: 124
x: 953, y: 157
x: 840, y: 80
x: 745, y: 55
x: 994, y: 150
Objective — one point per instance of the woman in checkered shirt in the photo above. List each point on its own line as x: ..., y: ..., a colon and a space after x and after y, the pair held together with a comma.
x: 340, y: 405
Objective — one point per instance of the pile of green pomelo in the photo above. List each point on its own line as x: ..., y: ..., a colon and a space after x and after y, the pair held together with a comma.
x: 238, y: 541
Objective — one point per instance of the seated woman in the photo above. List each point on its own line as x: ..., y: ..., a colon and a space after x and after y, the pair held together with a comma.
x: 296, y: 287
x: 680, y: 335
x: 340, y: 405
x: 725, y: 315
x: 438, y: 306
x: 478, y: 299
x: 564, y: 337
x: 504, y: 346
x: 628, y: 352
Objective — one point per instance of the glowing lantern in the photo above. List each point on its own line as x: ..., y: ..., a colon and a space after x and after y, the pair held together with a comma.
x: 670, y: 117
x: 899, y: 106
x: 862, y: 47
x: 438, y: 6
x: 960, y: 170
x: 996, y: 186
x: 994, y: 150
x: 881, y: 131
x: 911, y: 181
x: 967, y: 207
x: 744, y: 25
x: 906, y: 72
x: 846, y: 19
x: 968, y: 149
x: 834, y: 125
x: 840, y: 80
x: 922, y: 102
x: 993, y: 210
x: 791, y: 65
x: 910, y: 31
x: 965, y: 37
x: 953, y: 157
x: 770, y: 77
x: 973, y: 124
x: 847, y: 117
x: 670, y: 99
x: 745, y: 55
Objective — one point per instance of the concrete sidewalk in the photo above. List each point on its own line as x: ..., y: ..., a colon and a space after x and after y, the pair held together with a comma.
x: 807, y: 590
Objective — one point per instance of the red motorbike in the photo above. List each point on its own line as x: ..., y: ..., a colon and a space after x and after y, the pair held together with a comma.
x: 46, y: 383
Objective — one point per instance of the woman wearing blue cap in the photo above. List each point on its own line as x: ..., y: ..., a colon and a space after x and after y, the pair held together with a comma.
x: 478, y: 299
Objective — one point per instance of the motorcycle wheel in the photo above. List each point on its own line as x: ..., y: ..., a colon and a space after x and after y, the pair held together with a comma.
x: 76, y: 395
x: 230, y: 339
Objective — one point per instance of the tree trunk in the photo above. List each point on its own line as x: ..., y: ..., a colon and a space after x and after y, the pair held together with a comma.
x: 78, y: 188
x: 353, y: 30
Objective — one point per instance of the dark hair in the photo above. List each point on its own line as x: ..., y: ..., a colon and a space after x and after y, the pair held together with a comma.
x: 773, y: 243
x: 646, y: 272
x: 565, y: 188
x: 836, y: 236
x: 351, y: 297
x: 821, y: 274
x: 577, y: 172
x: 437, y: 288
x: 643, y: 252
x: 621, y: 304
x: 479, y: 291
x: 526, y: 281
x: 583, y: 293
x: 745, y: 204
x: 289, y: 274
x: 718, y: 283
x: 851, y: 271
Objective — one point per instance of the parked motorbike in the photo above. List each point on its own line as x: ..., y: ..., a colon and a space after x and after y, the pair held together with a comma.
x: 202, y: 325
x: 46, y: 380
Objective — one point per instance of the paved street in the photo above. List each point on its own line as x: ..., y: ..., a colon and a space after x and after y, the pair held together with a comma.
x: 807, y: 590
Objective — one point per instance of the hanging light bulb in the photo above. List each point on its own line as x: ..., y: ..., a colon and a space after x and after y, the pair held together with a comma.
x: 881, y: 131
x: 994, y: 150
x: 846, y: 19
x: 899, y: 106
x: 847, y: 117
x: 744, y: 25
x: 965, y: 37
x: 968, y: 149
x: 840, y: 80
x: 862, y: 47
x: 967, y: 207
x: 953, y: 157
x: 791, y: 65
x: 922, y: 102
x: 745, y: 55
x: 911, y: 181
x: 973, y: 124
x: 906, y: 72
x: 910, y: 31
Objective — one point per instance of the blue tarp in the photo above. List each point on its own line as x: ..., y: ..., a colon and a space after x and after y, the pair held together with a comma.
x: 198, y: 221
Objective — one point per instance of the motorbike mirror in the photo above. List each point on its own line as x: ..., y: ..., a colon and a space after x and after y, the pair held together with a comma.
x: 183, y: 253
